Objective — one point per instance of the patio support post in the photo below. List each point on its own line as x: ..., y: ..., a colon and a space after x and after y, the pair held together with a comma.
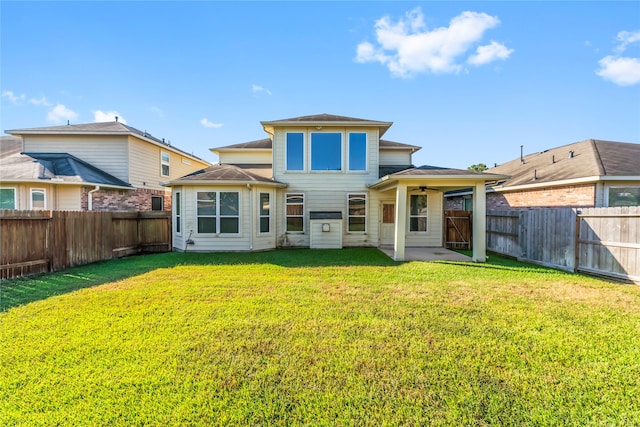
x: 401, y: 222
x: 479, y: 223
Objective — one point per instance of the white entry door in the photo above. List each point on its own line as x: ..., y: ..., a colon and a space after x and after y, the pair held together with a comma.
x: 388, y: 225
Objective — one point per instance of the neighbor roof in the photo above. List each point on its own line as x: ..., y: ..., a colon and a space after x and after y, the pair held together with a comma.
x: 590, y: 159
x: 225, y: 174
x: 102, y: 128
x: 326, y: 119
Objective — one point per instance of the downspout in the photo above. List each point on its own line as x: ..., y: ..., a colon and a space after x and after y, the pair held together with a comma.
x: 90, y: 197
x: 250, y: 218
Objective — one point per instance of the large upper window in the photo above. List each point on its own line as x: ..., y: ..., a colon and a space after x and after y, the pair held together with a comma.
x: 357, y: 218
x: 624, y: 196
x: 295, y: 212
x: 164, y: 163
x: 357, y: 151
x: 265, y: 210
x: 38, y: 201
x: 218, y: 212
x: 295, y: 151
x: 7, y: 198
x: 326, y: 151
x: 418, y: 213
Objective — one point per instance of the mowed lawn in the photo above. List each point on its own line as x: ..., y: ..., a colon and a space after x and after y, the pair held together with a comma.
x: 318, y: 338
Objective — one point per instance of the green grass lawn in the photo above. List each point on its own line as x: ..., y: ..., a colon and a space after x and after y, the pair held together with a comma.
x: 317, y: 338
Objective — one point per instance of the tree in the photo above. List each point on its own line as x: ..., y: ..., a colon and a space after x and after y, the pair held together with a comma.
x: 478, y: 168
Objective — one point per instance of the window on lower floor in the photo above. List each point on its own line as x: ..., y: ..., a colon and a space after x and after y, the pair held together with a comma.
x: 357, y: 213
x: 294, y: 206
x: 38, y: 201
x: 265, y: 209
x: 7, y: 198
x: 624, y: 196
x: 157, y: 203
x: 177, y: 208
x: 218, y: 212
x: 418, y: 212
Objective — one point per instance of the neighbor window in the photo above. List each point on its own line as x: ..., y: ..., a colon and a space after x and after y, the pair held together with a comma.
x: 357, y: 214
x: 164, y: 163
x: 418, y: 213
x: 37, y: 199
x: 326, y: 151
x: 265, y: 209
x: 624, y: 196
x: 177, y: 207
x: 357, y: 151
x: 218, y: 212
x: 295, y: 151
x: 294, y: 206
x: 157, y: 203
x: 7, y: 198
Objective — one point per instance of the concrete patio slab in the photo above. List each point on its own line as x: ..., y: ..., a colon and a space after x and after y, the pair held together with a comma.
x: 427, y: 254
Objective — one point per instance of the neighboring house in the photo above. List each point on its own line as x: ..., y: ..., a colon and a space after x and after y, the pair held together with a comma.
x: 591, y: 173
x: 96, y: 166
x: 320, y: 181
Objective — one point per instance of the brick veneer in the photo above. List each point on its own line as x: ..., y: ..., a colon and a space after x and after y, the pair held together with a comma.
x: 123, y: 200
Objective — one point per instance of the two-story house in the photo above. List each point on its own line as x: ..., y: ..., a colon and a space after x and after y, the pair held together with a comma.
x: 320, y: 181
x: 94, y: 166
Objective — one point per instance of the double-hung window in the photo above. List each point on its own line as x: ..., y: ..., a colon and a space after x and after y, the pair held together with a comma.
x: 38, y: 201
x: 164, y: 163
x: 295, y: 151
x: 294, y: 206
x: 7, y: 198
x: 357, y: 213
x: 357, y: 151
x: 177, y: 207
x: 265, y: 209
x: 326, y: 151
x: 418, y: 212
x: 218, y: 212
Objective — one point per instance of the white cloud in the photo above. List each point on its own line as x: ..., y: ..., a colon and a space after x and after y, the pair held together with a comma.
x: 13, y: 98
x: 619, y: 70
x: 258, y: 88
x: 108, y: 116
x: 209, y: 124
x: 408, y: 47
x: 489, y: 53
x: 42, y: 101
x: 60, y: 113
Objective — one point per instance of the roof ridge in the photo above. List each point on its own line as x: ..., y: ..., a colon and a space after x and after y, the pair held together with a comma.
x: 601, y: 166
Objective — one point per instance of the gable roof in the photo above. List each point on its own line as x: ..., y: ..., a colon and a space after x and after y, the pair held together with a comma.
x: 225, y: 174
x: 325, y: 119
x: 590, y: 160
x: 59, y: 168
x: 101, y: 128
x: 260, y: 144
x: 391, y: 145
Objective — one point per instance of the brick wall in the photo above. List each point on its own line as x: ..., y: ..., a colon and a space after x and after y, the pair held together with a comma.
x: 123, y: 200
x: 454, y: 203
x: 570, y: 196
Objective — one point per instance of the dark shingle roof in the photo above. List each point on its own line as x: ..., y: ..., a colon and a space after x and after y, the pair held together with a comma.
x: 260, y: 144
x: 391, y: 169
x: 590, y: 158
x: 437, y: 171
x: 224, y: 173
x: 385, y: 144
x: 324, y: 118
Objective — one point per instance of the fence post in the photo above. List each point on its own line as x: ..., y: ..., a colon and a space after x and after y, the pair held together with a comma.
x: 576, y: 262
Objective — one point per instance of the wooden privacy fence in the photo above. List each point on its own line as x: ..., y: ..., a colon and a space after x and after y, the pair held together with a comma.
x: 604, y: 241
x: 457, y: 229
x: 42, y: 241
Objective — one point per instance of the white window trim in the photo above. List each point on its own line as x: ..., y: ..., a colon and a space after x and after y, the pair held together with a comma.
x: 15, y: 196
x: 217, y: 215
x: 304, y: 202
x: 163, y: 162
x: 365, y: 216
x: 409, y: 216
x: 177, y: 209
x: 161, y: 202
x: 304, y: 153
x: 343, y: 160
x: 44, y: 194
x: 268, y: 216
x: 366, y: 154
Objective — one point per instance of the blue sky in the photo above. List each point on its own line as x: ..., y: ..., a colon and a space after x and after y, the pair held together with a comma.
x: 468, y: 81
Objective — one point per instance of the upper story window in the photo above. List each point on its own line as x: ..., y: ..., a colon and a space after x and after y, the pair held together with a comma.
x: 38, y: 201
x: 326, y: 151
x: 418, y: 213
x: 164, y: 163
x: 7, y: 198
x: 295, y: 151
x: 357, y: 151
